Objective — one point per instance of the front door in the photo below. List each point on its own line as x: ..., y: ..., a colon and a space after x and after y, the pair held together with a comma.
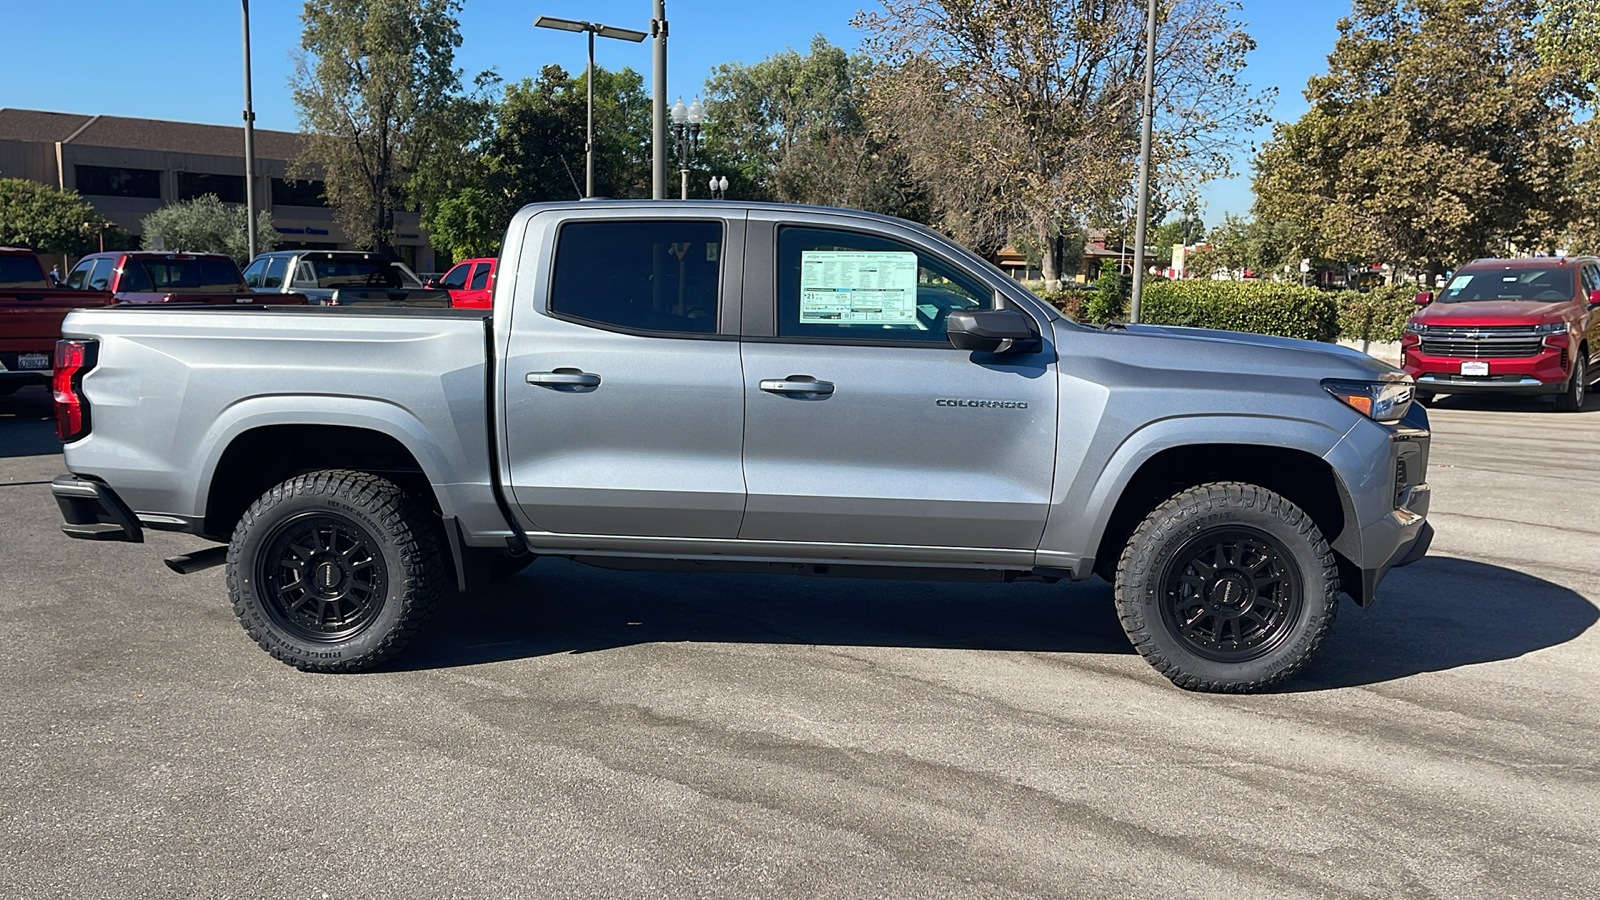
x: 624, y: 399
x: 864, y: 425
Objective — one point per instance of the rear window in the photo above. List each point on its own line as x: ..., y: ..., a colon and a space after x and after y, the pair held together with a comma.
x: 1540, y: 284
x: 21, y: 272
x: 178, y: 276
x: 661, y: 276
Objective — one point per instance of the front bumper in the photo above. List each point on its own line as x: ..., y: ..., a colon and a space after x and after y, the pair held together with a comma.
x: 1545, y: 372
x: 93, y: 512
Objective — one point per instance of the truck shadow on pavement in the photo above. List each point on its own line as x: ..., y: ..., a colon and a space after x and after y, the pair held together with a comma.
x: 27, y: 424
x: 1439, y: 614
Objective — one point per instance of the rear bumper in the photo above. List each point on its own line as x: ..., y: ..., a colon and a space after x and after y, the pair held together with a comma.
x: 93, y: 512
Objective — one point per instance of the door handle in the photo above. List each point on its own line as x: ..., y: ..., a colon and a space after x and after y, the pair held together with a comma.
x: 796, y: 384
x: 565, y: 377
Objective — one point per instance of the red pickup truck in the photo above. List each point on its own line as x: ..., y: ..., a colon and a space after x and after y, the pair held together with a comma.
x: 154, y: 276
x: 1510, y: 326
x: 31, y: 311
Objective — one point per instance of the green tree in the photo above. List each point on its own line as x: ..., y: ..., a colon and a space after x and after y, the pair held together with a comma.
x: 207, y: 225
x: 383, y: 108
x: 466, y: 224
x: 1437, y: 135
x: 39, y: 217
x: 1024, y: 114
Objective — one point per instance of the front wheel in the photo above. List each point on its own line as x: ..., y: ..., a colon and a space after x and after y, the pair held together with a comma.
x: 333, y: 571
x: 1227, y: 587
x: 1571, y: 399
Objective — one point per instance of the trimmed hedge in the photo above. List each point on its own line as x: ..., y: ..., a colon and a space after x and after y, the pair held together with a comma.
x: 1261, y: 307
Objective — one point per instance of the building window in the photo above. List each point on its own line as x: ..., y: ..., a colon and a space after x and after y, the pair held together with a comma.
x: 297, y: 193
x: 228, y: 188
x: 110, y: 181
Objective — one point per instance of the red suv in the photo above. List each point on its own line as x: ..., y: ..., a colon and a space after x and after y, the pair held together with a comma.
x: 1510, y: 326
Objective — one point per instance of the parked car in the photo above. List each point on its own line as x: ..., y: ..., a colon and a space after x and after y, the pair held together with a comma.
x: 318, y: 274
x: 1510, y: 326
x: 470, y: 283
x: 154, y: 276
x: 31, y: 311
x: 748, y: 387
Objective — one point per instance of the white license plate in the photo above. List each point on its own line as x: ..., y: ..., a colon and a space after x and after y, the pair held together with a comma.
x: 27, y: 361
x: 1474, y: 368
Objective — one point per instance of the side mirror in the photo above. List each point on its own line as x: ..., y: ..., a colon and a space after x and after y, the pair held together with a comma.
x: 992, y: 331
x: 1594, y: 299
x: 1424, y: 298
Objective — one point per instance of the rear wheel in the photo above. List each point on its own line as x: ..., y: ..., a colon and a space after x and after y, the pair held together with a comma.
x: 1227, y: 587
x: 1571, y: 400
x: 334, y: 571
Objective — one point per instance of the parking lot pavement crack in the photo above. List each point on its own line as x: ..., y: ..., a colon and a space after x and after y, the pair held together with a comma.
x: 1565, y: 529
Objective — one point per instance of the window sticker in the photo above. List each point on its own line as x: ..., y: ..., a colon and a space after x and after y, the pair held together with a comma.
x: 1459, y: 282
x: 852, y: 287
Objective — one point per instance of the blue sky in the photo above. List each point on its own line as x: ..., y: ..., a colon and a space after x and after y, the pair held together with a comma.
x: 183, y: 63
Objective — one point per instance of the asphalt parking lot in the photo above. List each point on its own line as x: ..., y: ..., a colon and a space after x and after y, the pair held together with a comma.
x: 583, y: 733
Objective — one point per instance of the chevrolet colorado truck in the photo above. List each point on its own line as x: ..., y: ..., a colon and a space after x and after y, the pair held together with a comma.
x: 31, y: 310
x: 748, y: 387
x: 1510, y: 326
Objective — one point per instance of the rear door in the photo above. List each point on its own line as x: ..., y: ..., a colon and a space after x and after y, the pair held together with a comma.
x: 863, y: 424
x: 624, y: 399
x: 476, y: 295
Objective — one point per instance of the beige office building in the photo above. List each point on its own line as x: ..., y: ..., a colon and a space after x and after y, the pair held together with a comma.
x: 128, y: 168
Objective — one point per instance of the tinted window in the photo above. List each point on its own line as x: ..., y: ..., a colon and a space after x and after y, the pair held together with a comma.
x: 480, y: 277
x: 21, y: 272
x: 108, y: 181
x: 79, y: 277
x: 100, y: 277
x: 1520, y: 283
x: 276, y: 266
x: 843, y: 285
x: 297, y: 193
x: 651, y: 276
x: 164, y: 275
x: 227, y: 188
x: 336, y: 272
x: 456, y: 279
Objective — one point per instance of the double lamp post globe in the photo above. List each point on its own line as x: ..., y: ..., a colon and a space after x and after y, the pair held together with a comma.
x: 686, y: 134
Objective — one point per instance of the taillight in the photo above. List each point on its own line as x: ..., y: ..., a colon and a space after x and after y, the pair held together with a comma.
x: 73, y: 359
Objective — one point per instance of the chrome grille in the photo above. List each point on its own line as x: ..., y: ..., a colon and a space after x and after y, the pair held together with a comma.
x: 1481, y: 342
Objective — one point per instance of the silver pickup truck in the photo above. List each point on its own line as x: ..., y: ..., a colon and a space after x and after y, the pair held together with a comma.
x: 753, y: 388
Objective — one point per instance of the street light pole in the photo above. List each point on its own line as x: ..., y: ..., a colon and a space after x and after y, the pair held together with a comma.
x: 606, y: 31
x: 686, y: 133
x: 658, y: 104
x: 1144, y: 160
x: 249, y: 144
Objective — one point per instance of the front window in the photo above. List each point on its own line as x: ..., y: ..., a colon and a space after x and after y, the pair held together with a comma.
x: 252, y: 274
x: 456, y: 278
x: 1545, y: 284
x: 851, y: 286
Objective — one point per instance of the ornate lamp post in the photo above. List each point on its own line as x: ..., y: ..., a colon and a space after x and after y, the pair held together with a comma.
x: 686, y: 134
x: 719, y: 187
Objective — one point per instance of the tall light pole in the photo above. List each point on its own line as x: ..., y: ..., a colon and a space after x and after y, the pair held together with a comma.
x: 686, y: 133
x: 658, y: 104
x: 249, y: 144
x: 606, y: 31
x: 1144, y: 160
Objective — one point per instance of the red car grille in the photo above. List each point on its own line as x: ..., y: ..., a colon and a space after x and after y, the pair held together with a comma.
x: 1482, y: 342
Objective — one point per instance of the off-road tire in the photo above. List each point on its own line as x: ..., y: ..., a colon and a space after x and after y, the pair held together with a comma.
x: 1290, y: 578
x: 1571, y: 399
x: 367, y: 550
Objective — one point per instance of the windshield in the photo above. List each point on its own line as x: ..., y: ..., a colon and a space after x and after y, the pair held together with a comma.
x: 1542, y: 285
x: 180, y: 275
x: 375, y: 273
x: 21, y: 272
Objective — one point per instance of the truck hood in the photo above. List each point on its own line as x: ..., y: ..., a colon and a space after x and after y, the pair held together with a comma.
x: 1493, y: 312
x: 1212, y: 350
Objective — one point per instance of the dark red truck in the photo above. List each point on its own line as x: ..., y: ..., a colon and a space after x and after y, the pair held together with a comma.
x: 31, y: 311
x: 1510, y: 326
x: 155, y: 276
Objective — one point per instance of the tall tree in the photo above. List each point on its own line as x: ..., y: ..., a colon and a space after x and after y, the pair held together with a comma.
x: 1437, y: 135
x: 381, y: 101
x: 1023, y: 114
x: 39, y: 217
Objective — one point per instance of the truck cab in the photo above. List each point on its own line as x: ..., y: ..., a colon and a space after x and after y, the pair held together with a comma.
x: 318, y: 274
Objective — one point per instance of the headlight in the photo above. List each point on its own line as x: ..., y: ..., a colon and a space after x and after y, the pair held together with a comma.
x: 1416, y: 328
x: 1382, y: 401
x: 1551, y: 328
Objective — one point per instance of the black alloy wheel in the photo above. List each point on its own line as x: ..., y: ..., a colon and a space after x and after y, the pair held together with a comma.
x: 323, y: 577
x: 1231, y: 595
